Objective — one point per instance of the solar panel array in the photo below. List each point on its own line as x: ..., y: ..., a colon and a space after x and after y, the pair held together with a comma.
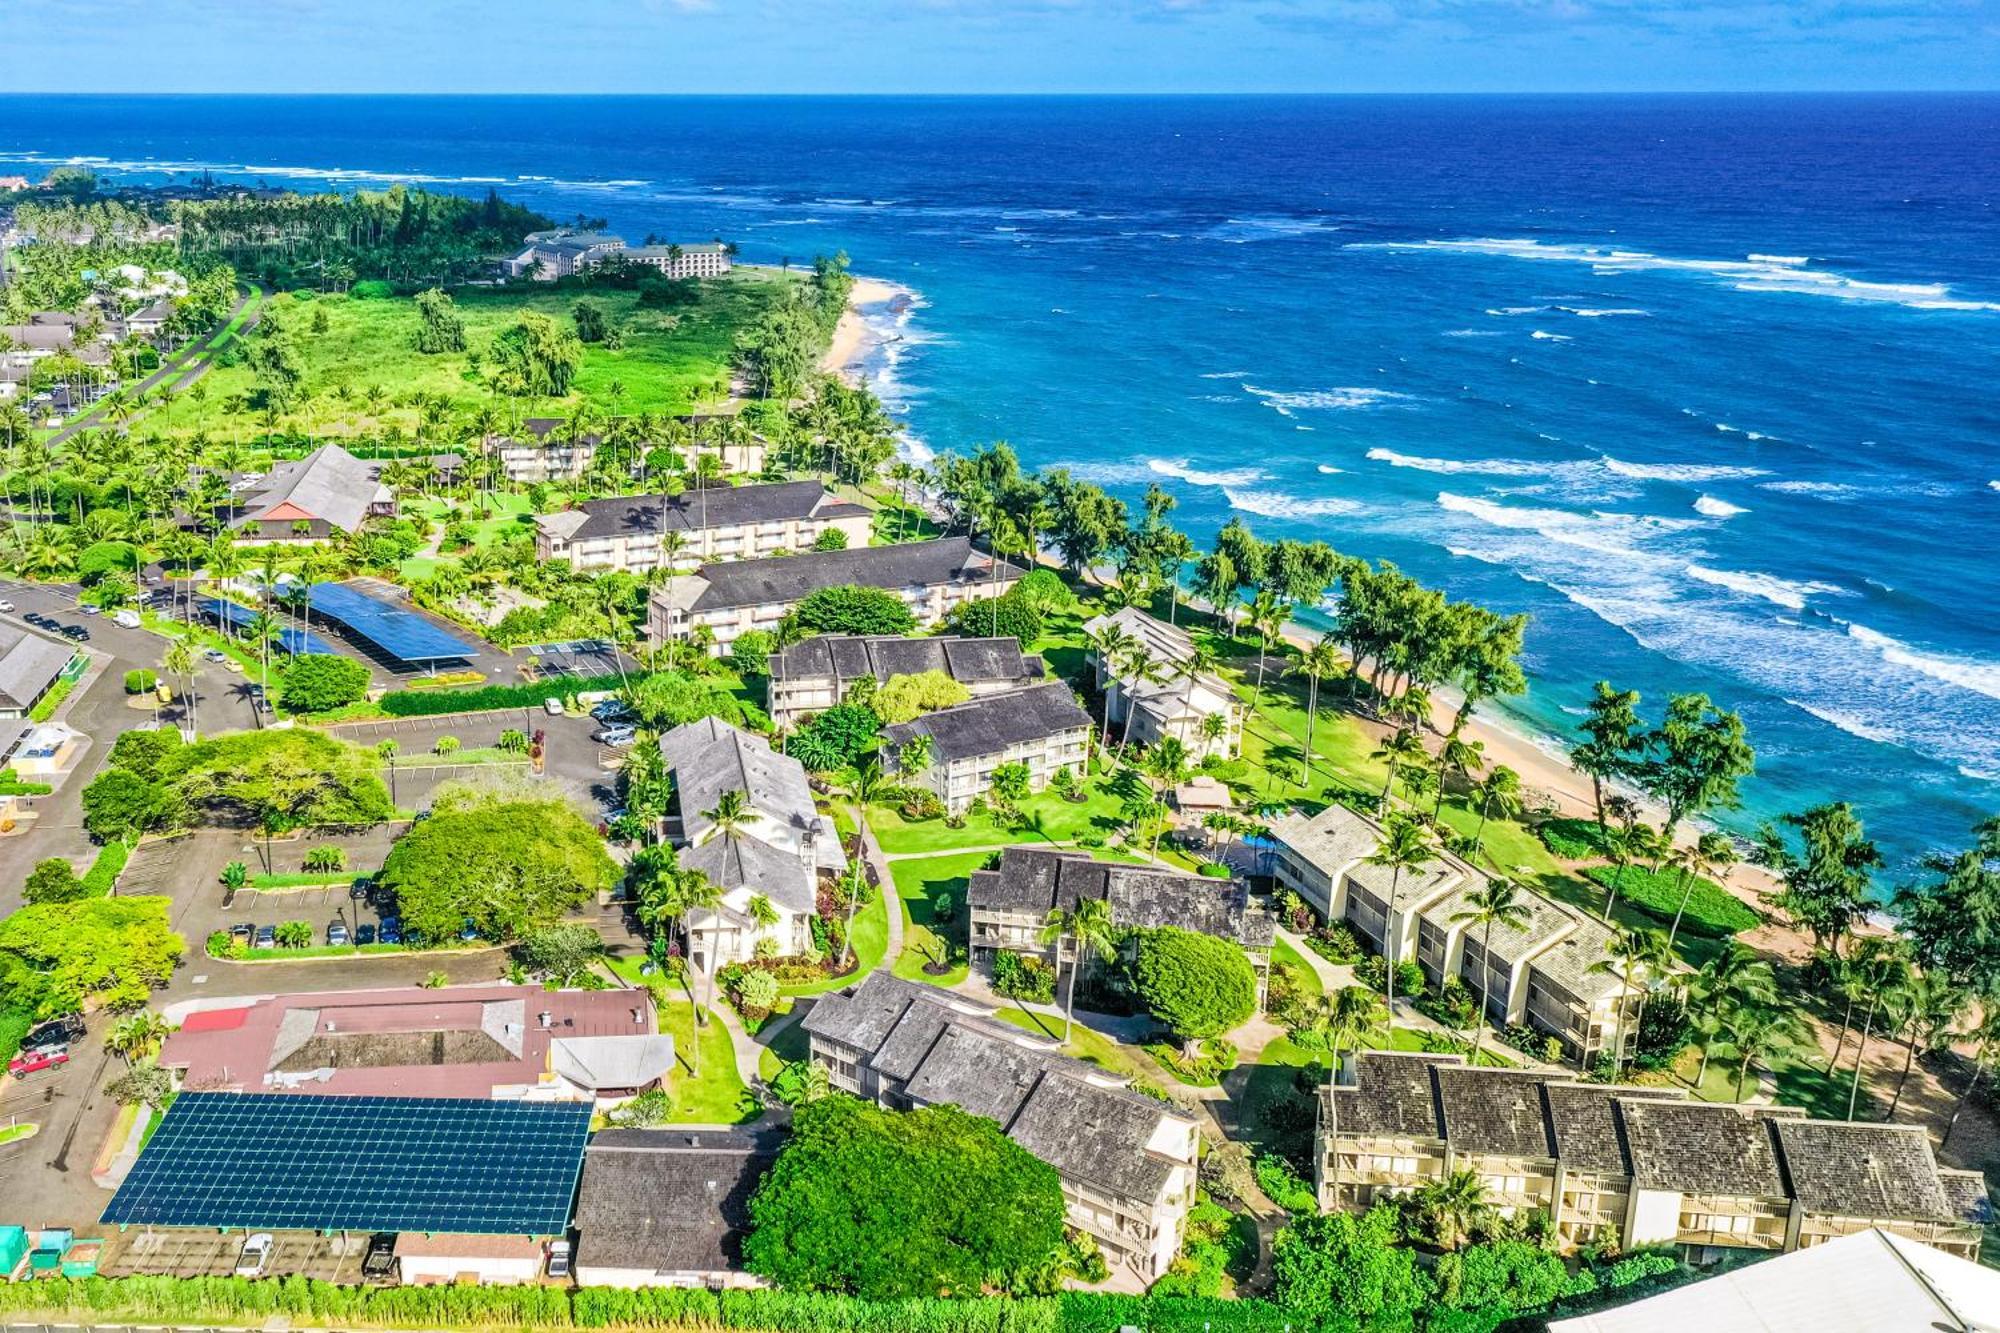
x: 404, y: 635
x: 288, y: 1161
x: 236, y: 619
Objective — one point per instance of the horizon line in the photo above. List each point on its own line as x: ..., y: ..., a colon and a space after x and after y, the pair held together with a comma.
x: 943, y: 95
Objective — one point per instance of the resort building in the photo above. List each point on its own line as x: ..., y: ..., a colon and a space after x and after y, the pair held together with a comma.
x: 1174, y: 704
x: 1127, y: 1162
x: 309, y: 499
x: 668, y: 1207
x: 815, y: 674
x: 490, y: 1042
x: 735, y: 596
x: 1009, y: 905
x: 1542, y: 973
x: 1041, y: 726
x: 628, y: 533
x: 1708, y: 1177
x: 546, y: 449
x: 548, y: 255
x: 29, y: 668
x: 702, y: 259
x: 777, y: 852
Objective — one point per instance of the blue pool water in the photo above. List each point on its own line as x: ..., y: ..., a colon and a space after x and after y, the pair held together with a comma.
x: 1703, y: 383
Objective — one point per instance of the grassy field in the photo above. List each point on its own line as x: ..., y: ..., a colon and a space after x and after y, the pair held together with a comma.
x: 871, y: 944
x: 918, y: 881
x: 1310, y: 985
x: 1085, y: 1044
x: 670, y: 360
x: 1051, y: 819
x: 717, y: 1095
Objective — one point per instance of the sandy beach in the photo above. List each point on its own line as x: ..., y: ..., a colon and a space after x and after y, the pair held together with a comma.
x: 851, y: 335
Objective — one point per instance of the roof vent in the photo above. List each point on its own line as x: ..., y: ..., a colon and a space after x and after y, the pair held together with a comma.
x: 543, y: 1017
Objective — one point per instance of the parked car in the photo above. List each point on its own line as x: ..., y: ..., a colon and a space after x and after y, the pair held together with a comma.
x: 267, y: 937
x: 336, y: 933
x: 392, y: 930
x: 56, y: 1032
x: 35, y: 1061
x: 613, y: 710
x: 468, y: 932
x: 128, y: 619
x: 615, y: 735
x: 6, y: 605
x: 553, y: 707
x: 75, y: 633
x: 38, y: 620
x: 558, y: 1258
x: 379, y: 1264
x: 256, y: 1253
x: 242, y: 933
x: 88, y: 608
x: 364, y: 934
x: 215, y: 655
x: 360, y: 889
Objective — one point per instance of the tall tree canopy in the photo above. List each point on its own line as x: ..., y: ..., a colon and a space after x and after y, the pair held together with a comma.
x: 54, y: 956
x: 506, y: 865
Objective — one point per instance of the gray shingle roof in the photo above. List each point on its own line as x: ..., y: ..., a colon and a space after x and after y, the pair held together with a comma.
x: 752, y: 863
x: 691, y: 511
x: 668, y: 1200
x: 1569, y: 962
x: 948, y: 561
x: 1494, y: 1111
x: 1333, y: 839
x: 1392, y: 1094
x: 1966, y: 1190
x: 328, y: 484
x: 1588, y: 1131
x: 29, y: 663
x: 993, y: 723
x: 1036, y: 880
x: 709, y: 757
x: 1702, y: 1148
x: 1094, y: 1133
x: 1855, y: 1170
x: 847, y: 657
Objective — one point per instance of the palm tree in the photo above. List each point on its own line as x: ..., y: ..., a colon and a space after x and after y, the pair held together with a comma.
x: 1758, y: 1033
x: 1500, y: 790
x: 1268, y: 614
x: 697, y: 894
x: 136, y: 1036
x: 1629, y: 844
x: 1931, y: 1007
x: 1088, y: 928
x: 1140, y: 668
x: 1320, y: 660
x: 1451, y: 1205
x: 1402, y: 750
x: 1629, y: 954
x: 1349, y: 1017
x: 1405, y: 845
x: 1885, y: 974
x: 1734, y: 979
x: 1985, y: 1038
x: 178, y: 660
x: 864, y: 786
x: 1458, y: 756
x: 1708, y: 855
x: 1500, y: 903
x: 763, y: 913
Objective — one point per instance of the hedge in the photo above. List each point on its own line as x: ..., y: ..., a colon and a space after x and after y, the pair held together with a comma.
x: 491, y: 698
x: 231, y: 1301
x: 1711, y: 909
x: 1572, y: 839
x: 104, y: 871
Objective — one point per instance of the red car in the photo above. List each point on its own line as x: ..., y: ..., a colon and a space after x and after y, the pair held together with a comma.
x: 35, y: 1061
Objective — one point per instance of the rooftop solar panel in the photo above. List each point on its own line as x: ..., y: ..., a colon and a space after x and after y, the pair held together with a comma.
x: 404, y: 635
x: 304, y: 1162
x: 236, y: 618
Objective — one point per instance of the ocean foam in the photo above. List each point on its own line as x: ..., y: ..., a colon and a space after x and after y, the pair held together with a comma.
x: 1788, y: 593
x: 1330, y: 400
x: 1227, y: 375
x: 1179, y: 468
x: 1328, y: 470
x: 1632, y: 311
x: 1826, y: 490
x: 1754, y: 273
x: 1472, y: 333
x: 1490, y: 467
x: 1277, y: 504
x: 1681, y: 471
x: 1850, y: 724
x: 1980, y: 677
x: 1544, y: 335
x: 1714, y: 508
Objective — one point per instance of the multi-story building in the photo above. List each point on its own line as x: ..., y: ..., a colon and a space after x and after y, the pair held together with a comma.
x: 562, y: 253
x: 701, y: 259
x: 736, y: 596
x: 1641, y: 1162
x: 628, y: 533
x: 1041, y: 726
x: 1010, y: 905
x: 1542, y: 972
x: 1178, y: 701
x: 546, y: 449
x: 777, y: 852
x: 1127, y: 1162
x: 309, y: 499
x: 814, y: 674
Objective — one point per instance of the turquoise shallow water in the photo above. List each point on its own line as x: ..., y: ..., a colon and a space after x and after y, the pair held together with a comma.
x: 1704, y: 384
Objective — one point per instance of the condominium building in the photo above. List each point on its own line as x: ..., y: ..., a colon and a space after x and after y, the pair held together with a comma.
x: 701, y: 259
x: 814, y: 674
x: 1542, y: 972
x: 546, y: 449
x: 1010, y: 905
x: 736, y: 596
x: 562, y: 253
x: 1641, y: 1163
x: 1041, y: 726
x: 1127, y: 1162
x: 1177, y: 701
x: 629, y: 533
x: 777, y: 852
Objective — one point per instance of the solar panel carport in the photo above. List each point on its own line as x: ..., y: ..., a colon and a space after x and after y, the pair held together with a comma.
x: 236, y: 619
x: 403, y: 635
x: 303, y: 1162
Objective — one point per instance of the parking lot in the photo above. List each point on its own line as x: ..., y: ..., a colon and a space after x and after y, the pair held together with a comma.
x: 148, y: 1253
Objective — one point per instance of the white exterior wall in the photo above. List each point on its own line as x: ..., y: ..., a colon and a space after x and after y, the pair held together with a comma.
x: 1655, y: 1217
x: 640, y: 552
x: 487, y: 1271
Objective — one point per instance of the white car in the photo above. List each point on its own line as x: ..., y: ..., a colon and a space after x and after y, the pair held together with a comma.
x: 6, y: 605
x: 128, y: 619
x: 553, y: 707
x: 256, y: 1253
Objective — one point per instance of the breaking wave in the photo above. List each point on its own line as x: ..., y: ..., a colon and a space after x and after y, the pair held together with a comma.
x: 1193, y: 476
x: 1788, y: 593
x: 1714, y: 508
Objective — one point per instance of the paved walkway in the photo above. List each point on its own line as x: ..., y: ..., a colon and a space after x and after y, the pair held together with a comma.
x: 186, y: 366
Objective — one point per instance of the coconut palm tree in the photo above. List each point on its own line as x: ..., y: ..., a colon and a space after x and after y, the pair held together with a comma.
x: 1628, y: 844
x: 1500, y: 790
x: 1451, y: 1206
x: 1985, y: 1039
x: 1630, y: 954
x: 136, y: 1036
x: 1349, y: 1017
x: 1268, y: 615
x: 763, y: 913
x: 1758, y: 1033
x: 1500, y: 903
x: 1405, y: 845
x: 1706, y: 856
x: 1930, y: 1009
x: 1459, y: 756
x: 1884, y: 973
x: 1319, y: 661
x: 1088, y: 928
x: 1397, y: 752
x: 178, y: 660
x: 696, y: 893
x: 1140, y: 668
x: 1734, y: 979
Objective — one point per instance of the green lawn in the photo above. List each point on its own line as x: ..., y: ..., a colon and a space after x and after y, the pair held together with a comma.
x: 1086, y: 1044
x: 717, y: 1096
x: 670, y: 360
x: 918, y: 881
x: 1309, y: 983
x: 871, y: 944
x: 1051, y: 819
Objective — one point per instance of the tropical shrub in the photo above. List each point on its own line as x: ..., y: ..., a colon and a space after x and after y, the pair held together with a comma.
x: 1023, y: 977
x: 321, y: 682
x: 141, y: 680
x: 1712, y: 910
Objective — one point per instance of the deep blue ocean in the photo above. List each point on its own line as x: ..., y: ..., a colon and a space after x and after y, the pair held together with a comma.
x: 1706, y: 384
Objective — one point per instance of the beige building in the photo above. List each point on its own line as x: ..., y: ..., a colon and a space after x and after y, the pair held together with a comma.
x: 628, y: 533
x: 736, y: 596
x: 546, y: 450
x: 701, y: 259
x: 562, y: 253
x: 814, y: 674
x: 1041, y: 726
x: 1127, y: 1162
x: 1174, y: 705
x: 1641, y: 1163
x: 1542, y: 973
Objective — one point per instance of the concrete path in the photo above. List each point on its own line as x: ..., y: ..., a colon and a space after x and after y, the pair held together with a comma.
x: 885, y: 883
x: 186, y: 366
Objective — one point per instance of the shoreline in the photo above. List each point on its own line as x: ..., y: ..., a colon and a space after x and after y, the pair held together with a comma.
x: 853, y: 339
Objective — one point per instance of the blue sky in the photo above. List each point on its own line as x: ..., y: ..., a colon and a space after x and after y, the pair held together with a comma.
x: 983, y: 46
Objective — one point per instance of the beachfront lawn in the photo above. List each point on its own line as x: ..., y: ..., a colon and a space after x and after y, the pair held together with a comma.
x: 669, y: 361
x: 1051, y: 819
x: 919, y: 881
